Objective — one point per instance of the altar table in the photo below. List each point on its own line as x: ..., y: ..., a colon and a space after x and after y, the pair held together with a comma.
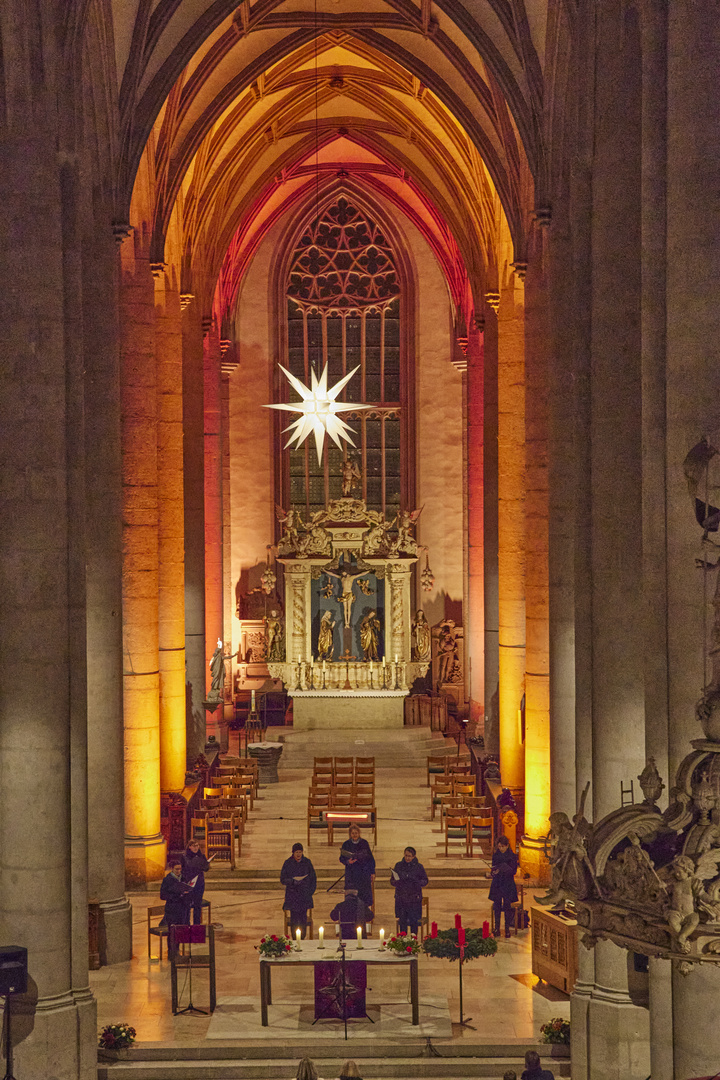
x: 310, y: 954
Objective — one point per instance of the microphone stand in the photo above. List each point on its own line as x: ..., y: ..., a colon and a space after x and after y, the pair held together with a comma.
x: 8, y: 1040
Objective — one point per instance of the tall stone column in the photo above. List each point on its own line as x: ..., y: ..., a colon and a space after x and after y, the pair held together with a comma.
x: 194, y: 508
x: 692, y: 325
x: 103, y: 514
x: 475, y: 617
x: 511, y: 528
x: 490, y: 526
x: 145, y: 849
x: 41, y: 535
x: 214, y: 623
x: 537, y: 652
x: 171, y: 537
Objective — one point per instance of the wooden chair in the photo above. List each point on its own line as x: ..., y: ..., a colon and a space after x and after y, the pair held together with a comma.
x: 365, y: 762
x: 212, y: 793
x: 341, y: 800
x: 424, y: 924
x: 463, y: 787
x: 448, y: 803
x: 438, y: 789
x: 287, y: 929
x: 225, y: 770
x: 316, y: 809
x: 323, y: 775
x: 518, y: 907
x: 481, y: 827
x: 436, y: 766
x: 238, y: 807
x: 198, y: 832
x: 221, y: 839
x: 343, y: 762
x: 157, y: 911
x: 364, y: 787
x: 344, y: 785
x: 319, y: 789
x: 476, y: 802
x: 327, y: 761
x: 460, y: 769
x: 456, y: 828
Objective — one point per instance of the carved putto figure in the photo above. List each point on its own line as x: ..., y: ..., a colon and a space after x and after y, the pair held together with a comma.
x: 421, y: 636
x: 292, y: 524
x: 325, y: 636
x: 370, y: 628
x: 274, y: 637
x: 405, y: 541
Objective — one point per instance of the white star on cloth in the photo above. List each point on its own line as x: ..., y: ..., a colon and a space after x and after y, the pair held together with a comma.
x: 319, y: 411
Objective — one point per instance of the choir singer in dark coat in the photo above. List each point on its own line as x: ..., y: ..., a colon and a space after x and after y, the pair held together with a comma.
x: 194, y: 865
x: 176, y: 895
x: 409, y: 878
x: 300, y: 881
x: 503, y: 890
x: 357, y: 858
x: 351, y: 913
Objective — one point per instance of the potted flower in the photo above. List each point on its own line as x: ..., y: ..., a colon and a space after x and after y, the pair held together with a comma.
x: 557, y: 1032
x: 403, y: 944
x: 273, y: 946
x: 114, y: 1041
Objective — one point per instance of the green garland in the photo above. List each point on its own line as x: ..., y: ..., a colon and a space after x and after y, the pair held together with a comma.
x: 445, y: 945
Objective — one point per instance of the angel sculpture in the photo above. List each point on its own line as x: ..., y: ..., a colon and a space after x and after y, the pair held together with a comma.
x: 292, y: 523
x: 350, y: 476
x: 688, y: 896
x: 573, y: 875
x: 404, y: 540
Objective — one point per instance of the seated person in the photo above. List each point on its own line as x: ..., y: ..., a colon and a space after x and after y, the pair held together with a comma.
x: 351, y: 913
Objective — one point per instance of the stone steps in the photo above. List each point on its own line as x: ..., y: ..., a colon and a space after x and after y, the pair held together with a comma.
x: 268, y: 880
x: 375, y: 1060
x: 391, y: 747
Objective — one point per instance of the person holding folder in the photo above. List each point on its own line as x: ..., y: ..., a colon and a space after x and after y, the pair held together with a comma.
x: 298, y: 877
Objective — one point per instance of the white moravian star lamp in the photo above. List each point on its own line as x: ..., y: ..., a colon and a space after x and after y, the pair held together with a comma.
x: 318, y: 411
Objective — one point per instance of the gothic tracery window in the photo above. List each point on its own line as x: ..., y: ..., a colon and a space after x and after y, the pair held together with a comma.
x: 344, y: 308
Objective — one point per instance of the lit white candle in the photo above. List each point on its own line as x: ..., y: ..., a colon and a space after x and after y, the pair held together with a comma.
x: 359, y: 933
x: 323, y: 665
x: 298, y: 935
x: 382, y: 938
x: 371, y: 667
x: 321, y: 936
x: 383, y: 661
x: 252, y: 700
x: 396, y: 658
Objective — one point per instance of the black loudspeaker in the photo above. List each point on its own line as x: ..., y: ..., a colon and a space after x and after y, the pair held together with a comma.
x: 13, y: 970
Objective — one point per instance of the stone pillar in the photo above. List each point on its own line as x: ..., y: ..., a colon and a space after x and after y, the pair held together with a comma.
x: 490, y: 527
x: 661, y: 1020
x: 511, y: 528
x: 475, y: 618
x: 171, y: 555
x: 214, y: 627
x: 40, y: 540
x: 692, y: 322
x: 194, y: 509
x: 103, y: 514
x: 145, y: 849
x: 537, y: 658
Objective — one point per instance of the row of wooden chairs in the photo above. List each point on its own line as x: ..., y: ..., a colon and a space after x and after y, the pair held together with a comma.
x: 319, y: 804
x: 331, y: 770
x: 464, y: 788
x: 217, y: 832
x: 442, y: 767
x: 471, y: 827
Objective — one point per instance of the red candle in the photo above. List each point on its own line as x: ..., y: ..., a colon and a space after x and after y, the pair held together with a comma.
x: 433, y: 929
x: 458, y: 922
x: 486, y: 929
x: 461, y: 936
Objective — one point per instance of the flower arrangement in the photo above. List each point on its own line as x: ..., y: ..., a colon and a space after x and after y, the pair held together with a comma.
x: 274, y: 945
x: 116, y: 1037
x: 556, y: 1030
x: 403, y: 944
x: 445, y: 945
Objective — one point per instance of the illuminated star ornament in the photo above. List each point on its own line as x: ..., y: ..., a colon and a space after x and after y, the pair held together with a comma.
x: 318, y: 411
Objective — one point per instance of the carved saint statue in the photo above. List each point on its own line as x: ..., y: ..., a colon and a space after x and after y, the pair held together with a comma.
x: 325, y: 636
x: 421, y: 636
x: 273, y: 637
x: 447, y: 654
x: 370, y: 628
x: 217, y: 670
x: 350, y: 476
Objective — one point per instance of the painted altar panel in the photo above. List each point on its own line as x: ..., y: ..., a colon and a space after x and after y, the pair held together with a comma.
x: 368, y: 596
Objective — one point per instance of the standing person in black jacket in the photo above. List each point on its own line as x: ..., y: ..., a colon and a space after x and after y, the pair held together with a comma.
x: 176, y: 895
x: 300, y: 881
x: 408, y: 877
x: 357, y: 858
x: 503, y: 891
x: 194, y: 865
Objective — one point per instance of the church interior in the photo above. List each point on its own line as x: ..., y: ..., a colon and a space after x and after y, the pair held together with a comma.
x: 359, y: 382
